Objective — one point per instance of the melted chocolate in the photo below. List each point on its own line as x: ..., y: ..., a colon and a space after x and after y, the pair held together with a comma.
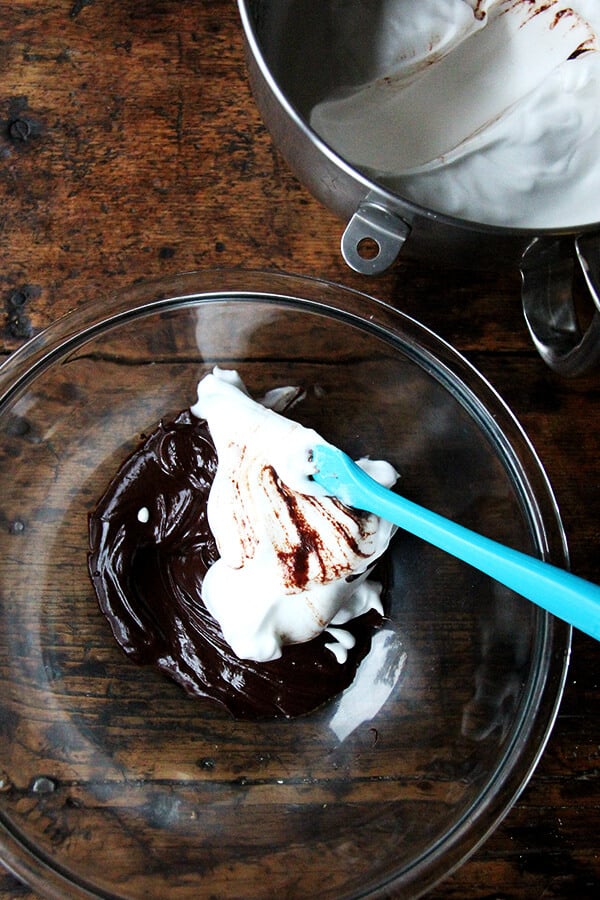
x: 148, y: 579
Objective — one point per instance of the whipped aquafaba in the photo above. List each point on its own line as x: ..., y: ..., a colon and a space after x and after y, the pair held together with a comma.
x: 483, y: 109
x: 217, y: 559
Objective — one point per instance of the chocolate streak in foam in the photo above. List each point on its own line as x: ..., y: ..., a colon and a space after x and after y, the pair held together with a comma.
x: 148, y: 579
x: 296, y: 561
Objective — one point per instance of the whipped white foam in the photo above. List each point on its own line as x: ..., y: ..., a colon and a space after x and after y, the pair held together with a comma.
x: 483, y: 110
x: 293, y: 561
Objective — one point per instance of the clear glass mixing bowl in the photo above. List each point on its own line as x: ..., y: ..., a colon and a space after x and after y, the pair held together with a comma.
x: 115, y: 783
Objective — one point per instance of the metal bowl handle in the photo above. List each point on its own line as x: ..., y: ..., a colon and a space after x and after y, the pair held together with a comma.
x: 373, y: 238
x: 547, y: 270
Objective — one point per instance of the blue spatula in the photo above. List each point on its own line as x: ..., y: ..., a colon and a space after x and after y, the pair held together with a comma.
x: 559, y: 592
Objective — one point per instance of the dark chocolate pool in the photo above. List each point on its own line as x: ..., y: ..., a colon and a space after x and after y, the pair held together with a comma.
x: 150, y: 548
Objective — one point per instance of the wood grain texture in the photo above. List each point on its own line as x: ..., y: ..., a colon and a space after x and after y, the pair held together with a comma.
x: 130, y: 147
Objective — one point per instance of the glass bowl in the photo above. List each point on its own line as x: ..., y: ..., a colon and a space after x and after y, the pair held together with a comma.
x: 115, y: 783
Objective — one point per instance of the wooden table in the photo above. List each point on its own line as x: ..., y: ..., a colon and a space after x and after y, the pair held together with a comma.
x: 131, y: 147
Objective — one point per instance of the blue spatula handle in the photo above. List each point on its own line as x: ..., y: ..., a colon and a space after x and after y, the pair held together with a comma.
x: 567, y: 596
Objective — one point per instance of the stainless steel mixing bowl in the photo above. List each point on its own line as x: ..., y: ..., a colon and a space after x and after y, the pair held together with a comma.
x: 290, y: 69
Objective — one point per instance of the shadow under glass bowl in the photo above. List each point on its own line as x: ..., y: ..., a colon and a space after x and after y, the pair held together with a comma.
x: 113, y: 782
